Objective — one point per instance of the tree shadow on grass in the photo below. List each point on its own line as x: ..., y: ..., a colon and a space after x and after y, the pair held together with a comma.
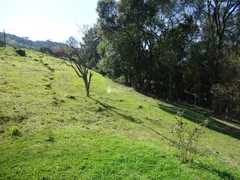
x: 197, y: 117
x: 116, y: 111
x: 208, y: 167
x: 160, y: 134
x: 130, y: 118
x: 200, y: 110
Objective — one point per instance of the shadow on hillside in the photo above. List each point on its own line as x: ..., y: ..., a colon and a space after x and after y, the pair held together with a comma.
x: 207, y: 167
x: 200, y: 110
x: 116, y: 111
x: 197, y: 117
x: 130, y: 118
x: 160, y: 134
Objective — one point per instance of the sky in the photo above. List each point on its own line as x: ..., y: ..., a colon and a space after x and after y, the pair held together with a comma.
x: 47, y: 19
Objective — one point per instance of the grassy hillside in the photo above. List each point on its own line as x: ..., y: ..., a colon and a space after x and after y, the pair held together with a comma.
x: 116, y: 134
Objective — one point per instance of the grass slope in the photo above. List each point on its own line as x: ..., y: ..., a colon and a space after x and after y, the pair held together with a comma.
x: 116, y: 134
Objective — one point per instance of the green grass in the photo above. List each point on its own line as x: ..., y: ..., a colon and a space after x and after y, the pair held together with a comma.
x: 106, y: 136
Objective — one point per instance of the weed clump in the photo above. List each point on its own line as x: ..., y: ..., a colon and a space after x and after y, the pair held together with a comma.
x: 1, y: 131
x: 15, y: 131
x: 188, y: 137
x: 100, y: 109
x: 50, y: 137
x: 70, y: 97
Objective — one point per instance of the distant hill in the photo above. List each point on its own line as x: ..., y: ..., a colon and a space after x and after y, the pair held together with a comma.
x: 16, y: 41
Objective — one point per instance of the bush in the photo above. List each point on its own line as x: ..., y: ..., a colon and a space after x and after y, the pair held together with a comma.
x: 46, y: 50
x: 1, y: 43
x: 188, y: 137
x: 60, y: 53
x: 21, y: 52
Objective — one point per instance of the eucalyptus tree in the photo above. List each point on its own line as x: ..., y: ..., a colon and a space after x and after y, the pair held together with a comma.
x: 132, y: 27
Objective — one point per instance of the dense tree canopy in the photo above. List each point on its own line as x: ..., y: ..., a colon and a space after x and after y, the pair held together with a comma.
x: 179, y: 50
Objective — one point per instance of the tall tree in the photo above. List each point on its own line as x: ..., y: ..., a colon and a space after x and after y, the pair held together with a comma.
x: 177, y: 50
x: 91, y: 39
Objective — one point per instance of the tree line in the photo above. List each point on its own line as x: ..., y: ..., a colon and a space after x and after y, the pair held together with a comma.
x: 184, y: 50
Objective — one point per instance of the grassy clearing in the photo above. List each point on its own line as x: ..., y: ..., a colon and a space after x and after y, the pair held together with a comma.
x: 116, y: 134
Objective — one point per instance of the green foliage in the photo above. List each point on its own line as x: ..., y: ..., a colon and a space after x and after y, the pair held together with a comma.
x: 226, y: 93
x: 163, y: 50
x: 110, y: 64
x: 1, y: 43
x: 15, y: 131
x: 46, y: 50
x: 91, y: 40
x: 188, y: 137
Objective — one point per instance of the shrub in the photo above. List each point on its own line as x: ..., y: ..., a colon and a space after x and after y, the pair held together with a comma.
x: 188, y: 137
x: 21, y: 52
x: 59, y: 53
x: 1, y: 43
x: 46, y: 50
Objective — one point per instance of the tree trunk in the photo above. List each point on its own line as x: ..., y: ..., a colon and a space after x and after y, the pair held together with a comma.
x: 195, y: 90
x: 87, y: 82
x: 199, y: 92
x: 170, y: 85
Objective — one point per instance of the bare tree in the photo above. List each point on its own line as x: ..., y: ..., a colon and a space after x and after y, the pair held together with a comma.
x: 78, y: 60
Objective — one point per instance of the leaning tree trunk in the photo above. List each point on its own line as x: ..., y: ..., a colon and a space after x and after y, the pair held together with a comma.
x: 170, y: 84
